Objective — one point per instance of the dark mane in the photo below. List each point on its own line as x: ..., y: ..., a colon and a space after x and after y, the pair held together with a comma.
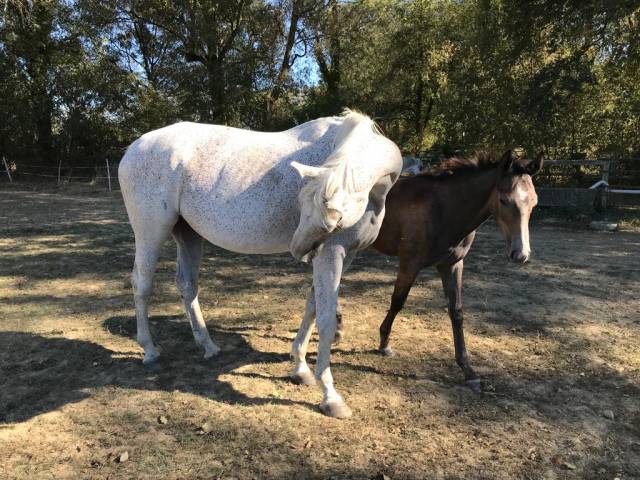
x: 479, y: 160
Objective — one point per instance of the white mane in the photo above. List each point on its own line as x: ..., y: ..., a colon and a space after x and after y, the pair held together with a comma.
x: 340, y: 173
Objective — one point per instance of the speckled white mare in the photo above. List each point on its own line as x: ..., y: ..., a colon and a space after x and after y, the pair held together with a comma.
x: 317, y: 190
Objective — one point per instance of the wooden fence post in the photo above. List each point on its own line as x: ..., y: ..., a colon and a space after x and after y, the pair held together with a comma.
x: 108, y: 174
x: 605, y: 176
x: 6, y: 167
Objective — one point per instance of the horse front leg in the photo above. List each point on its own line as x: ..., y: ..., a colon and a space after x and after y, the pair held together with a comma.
x: 451, y: 276
x: 327, y: 270
x: 301, y: 372
x: 407, y: 273
x: 339, y: 319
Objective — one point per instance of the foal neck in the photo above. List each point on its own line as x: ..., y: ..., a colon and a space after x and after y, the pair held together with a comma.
x: 466, y: 200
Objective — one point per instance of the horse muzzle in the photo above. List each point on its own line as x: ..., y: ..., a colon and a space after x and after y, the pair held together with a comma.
x: 305, y: 254
x: 518, y: 256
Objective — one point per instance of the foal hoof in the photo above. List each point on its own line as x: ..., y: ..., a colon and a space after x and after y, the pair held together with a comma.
x: 387, y: 352
x: 338, y: 337
x: 474, y: 385
x: 335, y: 409
x: 303, y: 378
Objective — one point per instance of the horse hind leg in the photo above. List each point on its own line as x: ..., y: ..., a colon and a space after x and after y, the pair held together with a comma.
x: 189, y: 245
x: 148, y: 248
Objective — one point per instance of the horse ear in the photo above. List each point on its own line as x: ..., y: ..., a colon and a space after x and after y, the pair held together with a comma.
x: 307, y: 171
x: 506, y: 161
x: 535, y: 166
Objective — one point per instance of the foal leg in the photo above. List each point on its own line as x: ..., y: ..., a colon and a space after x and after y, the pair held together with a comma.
x: 407, y: 274
x: 189, y: 255
x: 452, y: 284
x: 327, y: 269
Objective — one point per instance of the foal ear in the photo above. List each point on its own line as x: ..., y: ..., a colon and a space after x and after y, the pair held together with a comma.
x: 535, y: 166
x: 506, y: 161
x: 307, y: 171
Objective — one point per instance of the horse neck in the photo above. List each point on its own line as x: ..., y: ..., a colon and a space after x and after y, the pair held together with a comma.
x: 466, y: 202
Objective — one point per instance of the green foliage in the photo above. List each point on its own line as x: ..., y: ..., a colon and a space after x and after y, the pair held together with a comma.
x: 80, y: 79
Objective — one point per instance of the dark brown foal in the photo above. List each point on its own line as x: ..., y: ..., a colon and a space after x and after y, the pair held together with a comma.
x: 431, y: 219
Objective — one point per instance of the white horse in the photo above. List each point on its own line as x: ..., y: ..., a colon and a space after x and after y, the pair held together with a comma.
x: 317, y: 190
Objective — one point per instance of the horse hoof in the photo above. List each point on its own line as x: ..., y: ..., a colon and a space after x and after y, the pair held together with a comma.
x: 303, y: 378
x: 387, y: 352
x: 153, y: 366
x: 150, y: 358
x: 211, y: 352
x: 474, y: 385
x: 335, y: 409
x: 338, y: 337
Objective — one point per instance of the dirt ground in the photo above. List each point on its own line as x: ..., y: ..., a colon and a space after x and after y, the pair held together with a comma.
x: 556, y: 343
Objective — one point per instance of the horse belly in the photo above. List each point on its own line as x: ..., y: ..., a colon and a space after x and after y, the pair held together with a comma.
x: 256, y: 227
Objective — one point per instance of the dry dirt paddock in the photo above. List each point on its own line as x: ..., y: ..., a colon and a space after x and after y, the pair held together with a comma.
x: 556, y: 343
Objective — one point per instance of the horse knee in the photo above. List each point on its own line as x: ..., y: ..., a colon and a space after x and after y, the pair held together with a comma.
x: 141, y: 285
x: 327, y: 329
x: 456, y: 316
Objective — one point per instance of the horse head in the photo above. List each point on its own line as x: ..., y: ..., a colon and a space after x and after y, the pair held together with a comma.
x: 327, y: 203
x: 515, y: 199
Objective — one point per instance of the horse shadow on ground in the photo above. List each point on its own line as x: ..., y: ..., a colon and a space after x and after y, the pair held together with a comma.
x: 41, y: 374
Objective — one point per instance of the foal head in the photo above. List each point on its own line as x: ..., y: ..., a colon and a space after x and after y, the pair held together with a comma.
x: 513, y: 201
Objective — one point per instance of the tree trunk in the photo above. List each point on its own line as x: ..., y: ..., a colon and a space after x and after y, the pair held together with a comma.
x: 286, y: 59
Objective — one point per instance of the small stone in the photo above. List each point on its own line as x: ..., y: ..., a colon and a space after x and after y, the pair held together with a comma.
x: 603, y: 226
x: 162, y: 420
x: 608, y: 414
x: 569, y: 466
x: 206, y: 427
x: 123, y: 457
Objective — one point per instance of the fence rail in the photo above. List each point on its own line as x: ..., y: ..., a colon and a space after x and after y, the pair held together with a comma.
x: 106, y: 174
x: 563, y: 182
